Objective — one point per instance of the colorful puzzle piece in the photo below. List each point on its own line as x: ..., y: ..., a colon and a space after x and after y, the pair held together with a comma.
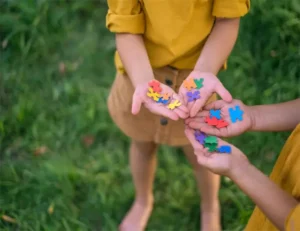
x: 199, y: 83
x: 222, y: 124
x: 193, y: 95
x: 211, y: 140
x: 189, y: 84
x: 215, y: 113
x: 166, y: 96
x: 224, y: 149
x: 155, y: 86
x: 213, y: 122
x: 154, y: 95
x: 163, y: 101
x: 200, y: 137
x: 236, y: 114
x: 174, y: 104
x: 211, y: 147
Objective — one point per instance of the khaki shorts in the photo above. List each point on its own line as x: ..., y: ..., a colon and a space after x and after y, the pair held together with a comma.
x: 146, y: 126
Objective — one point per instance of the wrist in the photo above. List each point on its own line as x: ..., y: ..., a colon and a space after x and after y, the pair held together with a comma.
x: 239, y: 172
x: 141, y: 81
x: 253, y: 114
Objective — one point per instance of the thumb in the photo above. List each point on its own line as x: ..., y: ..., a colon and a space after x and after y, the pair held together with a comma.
x: 136, y: 104
x: 223, y: 93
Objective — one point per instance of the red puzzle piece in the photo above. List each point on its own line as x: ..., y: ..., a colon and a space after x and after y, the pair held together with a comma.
x: 212, y: 121
x: 222, y: 124
x: 155, y: 86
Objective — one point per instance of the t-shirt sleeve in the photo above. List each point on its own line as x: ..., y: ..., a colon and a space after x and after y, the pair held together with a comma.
x: 230, y: 8
x: 125, y: 16
x: 292, y: 222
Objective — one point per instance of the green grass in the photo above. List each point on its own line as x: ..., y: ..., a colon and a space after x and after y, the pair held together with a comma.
x: 56, y: 68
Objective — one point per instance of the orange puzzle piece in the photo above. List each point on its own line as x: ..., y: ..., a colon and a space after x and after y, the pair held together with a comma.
x: 154, y: 95
x: 174, y: 104
x: 155, y: 85
x: 166, y: 96
x: 189, y: 84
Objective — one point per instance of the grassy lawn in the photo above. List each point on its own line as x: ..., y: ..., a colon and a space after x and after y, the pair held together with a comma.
x: 63, y: 163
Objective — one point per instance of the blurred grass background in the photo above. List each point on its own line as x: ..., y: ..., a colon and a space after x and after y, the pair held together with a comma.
x: 63, y: 163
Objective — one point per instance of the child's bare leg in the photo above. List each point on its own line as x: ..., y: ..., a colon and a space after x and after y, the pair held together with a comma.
x: 143, y: 165
x: 208, y: 185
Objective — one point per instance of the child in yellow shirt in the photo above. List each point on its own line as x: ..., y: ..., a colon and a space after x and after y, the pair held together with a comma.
x: 277, y: 198
x: 169, y: 41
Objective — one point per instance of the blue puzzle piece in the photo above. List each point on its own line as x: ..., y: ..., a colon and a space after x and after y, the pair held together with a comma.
x: 200, y: 137
x: 224, y: 149
x: 236, y: 114
x: 163, y: 101
x: 215, y: 113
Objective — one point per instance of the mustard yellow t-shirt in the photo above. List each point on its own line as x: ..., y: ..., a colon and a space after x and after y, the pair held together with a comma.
x: 174, y: 30
x: 286, y: 174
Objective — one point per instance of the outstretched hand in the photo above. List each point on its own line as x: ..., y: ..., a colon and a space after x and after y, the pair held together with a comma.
x: 208, y: 84
x: 233, y: 129
x: 142, y: 96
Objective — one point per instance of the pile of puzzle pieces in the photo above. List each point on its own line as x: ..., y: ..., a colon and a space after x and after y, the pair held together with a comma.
x: 190, y: 84
x: 155, y: 92
x: 214, y: 119
x: 211, y: 143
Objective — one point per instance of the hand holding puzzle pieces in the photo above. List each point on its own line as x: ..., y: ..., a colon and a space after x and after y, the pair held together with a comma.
x: 215, y: 119
x: 211, y: 142
x: 190, y: 84
x: 154, y: 92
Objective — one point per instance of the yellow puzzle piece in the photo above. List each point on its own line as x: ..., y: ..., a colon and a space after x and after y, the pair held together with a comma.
x: 154, y: 95
x: 174, y: 104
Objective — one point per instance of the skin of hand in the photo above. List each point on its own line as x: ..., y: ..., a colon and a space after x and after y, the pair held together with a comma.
x: 274, y: 202
x: 211, y: 84
x: 233, y: 129
x: 140, y: 98
x: 219, y: 163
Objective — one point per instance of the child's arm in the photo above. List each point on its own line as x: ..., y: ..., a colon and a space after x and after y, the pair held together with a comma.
x: 216, y: 50
x: 273, y: 201
x: 134, y: 57
x: 276, y: 117
x: 218, y: 45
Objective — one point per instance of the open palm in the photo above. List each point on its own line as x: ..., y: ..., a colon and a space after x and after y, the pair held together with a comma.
x: 233, y: 129
x: 218, y: 163
x: 140, y: 98
x: 211, y: 84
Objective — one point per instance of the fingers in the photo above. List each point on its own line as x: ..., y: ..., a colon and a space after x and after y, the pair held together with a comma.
x: 214, y: 105
x: 156, y: 109
x: 180, y: 113
x: 223, y: 92
x: 209, y: 129
x: 200, y: 118
x: 198, y: 104
x: 190, y: 134
x: 136, y: 104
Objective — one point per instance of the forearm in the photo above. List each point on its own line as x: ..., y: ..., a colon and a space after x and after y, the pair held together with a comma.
x: 133, y: 54
x: 276, y: 117
x: 218, y: 45
x: 273, y: 201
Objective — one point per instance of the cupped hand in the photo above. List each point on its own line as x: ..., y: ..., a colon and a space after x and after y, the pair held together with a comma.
x: 219, y: 163
x: 207, y: 84
x: 233, y: 129
x: 140, y: 98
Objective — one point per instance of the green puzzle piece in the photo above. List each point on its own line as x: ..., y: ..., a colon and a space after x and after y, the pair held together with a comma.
x: 199, y: 83
x: 211, y: 147
x: 211, y: 140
